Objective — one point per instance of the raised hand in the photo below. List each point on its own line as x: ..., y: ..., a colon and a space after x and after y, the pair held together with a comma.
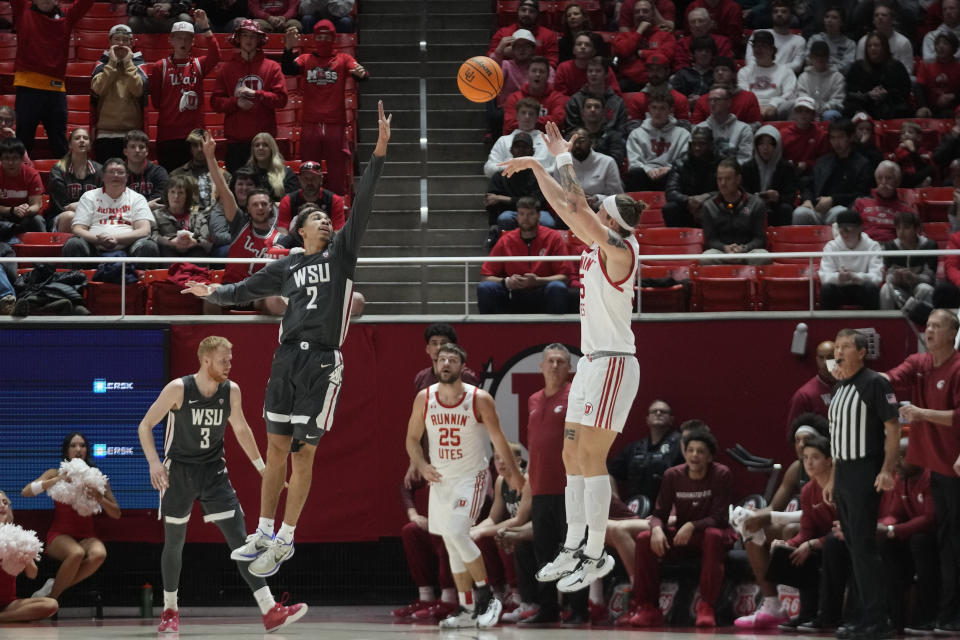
x: 199, y: 289
x: 554, y: 140
x: 515, y: 165
x: 383, y: 136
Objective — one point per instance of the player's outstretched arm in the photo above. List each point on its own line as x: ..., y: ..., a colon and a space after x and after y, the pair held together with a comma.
x: 170, y: 398
x: 266, y: 282
x: 490, y: 419
x: 415, y: 430
x: 242, y: 430
x: 356, y: 225
x: 383, y: 131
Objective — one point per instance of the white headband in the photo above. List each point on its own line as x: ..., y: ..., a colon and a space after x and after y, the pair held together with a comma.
x: 610, y: 206
x: 804, y: 430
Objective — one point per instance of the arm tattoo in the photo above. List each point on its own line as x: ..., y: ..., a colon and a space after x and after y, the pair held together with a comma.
x: 570, y: 434
x: 572, y: 188
x: 615, y: 240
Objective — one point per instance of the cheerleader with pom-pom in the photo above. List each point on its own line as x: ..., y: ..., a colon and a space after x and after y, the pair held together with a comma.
x: 72, y: 537
x: 18, y: 549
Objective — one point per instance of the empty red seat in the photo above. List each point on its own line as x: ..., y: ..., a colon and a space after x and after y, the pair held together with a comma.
x: 653, y: 199
x: 39, y: 244
x: 670, y: 241
x: 722, y: 287
x: 798, y: 238
x: 104, y: 298
x: 786, y: 287
x: 164, y: 297
x: 663, y: 297
x: 935, y: 203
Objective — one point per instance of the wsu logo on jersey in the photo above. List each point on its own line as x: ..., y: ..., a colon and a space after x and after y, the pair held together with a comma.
x: 254, y: 82
x: 322, y: 76
x: 206, y: 417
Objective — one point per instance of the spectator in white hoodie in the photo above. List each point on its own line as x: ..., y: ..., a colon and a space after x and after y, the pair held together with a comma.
x: 528, y: 111
x: 791, y: 47
x: 731, y: 137
x: 655, y: 145
x: 951, y: 24
x: 843, y: 50
x: 825, y: 86
x: 853, y: 280
x: 597, y: 173
x: 900, y: 47
x: 774, y: 84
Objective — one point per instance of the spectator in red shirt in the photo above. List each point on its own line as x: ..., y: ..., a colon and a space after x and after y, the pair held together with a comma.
x: 250, y: 88
x: 532, y: 286
x: 311, y: 191
x: 634, y: 47
x: 727, y: 19
x: 933, y: 381
x: 658, y: 73
x: 598, y: 85
x: 176, y: 90
x: 552, y: 102
x: 275, y: 16
x: 939, y: 80
x: 528, y: 12
x: 913, y: 159
x: 908, y: 543
x: 815, y: 394
x: 571, y: 75
x: 325, y: 75
x: 803, y: 142
x: 664, y: 10
x: 574, y: 21
x: 879, y: 210
x: 700, y: 490
x: 743, y: 103
x: 21, y: 192
x: 700, y: 25
x: 946, y: 293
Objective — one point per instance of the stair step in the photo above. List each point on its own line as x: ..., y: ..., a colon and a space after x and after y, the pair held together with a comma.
x: 415, y: 237
x: 395, y: 21
x: 435, y: 68
x: 394, y: 251
x: 474, y: 185
x: 450, y: 292
x: 434, y: 7
x: 405, y: 84
x: 406, y: 273
x: 414, y: 168
x: 409, y: 308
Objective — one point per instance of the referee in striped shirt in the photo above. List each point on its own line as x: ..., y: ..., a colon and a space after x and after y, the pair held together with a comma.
x: 865, y: 439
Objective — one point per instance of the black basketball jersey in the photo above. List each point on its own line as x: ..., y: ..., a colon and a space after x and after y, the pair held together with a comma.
x: 195, y: 430
x: 511, y: 499
x: 318, y: 287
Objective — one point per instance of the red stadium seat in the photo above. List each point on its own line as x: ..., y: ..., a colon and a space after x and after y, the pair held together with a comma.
x: 889, y: 134
x: 164, y: 297
x: 666, y: 298
x: 653, y: 199
x: 670, y: 240
x: 939, y: 232
x: 39, y: 244
x: 43, y: 166
x: 8, y: 46
x: 574, y: 245
x: 507, y: 12
x: 934, y: 203
x: 798, y: 238
x: 786, y: 287
x: 651, y: 218
x: 91, y: 45
x: 103, y: 298
x: 722, y: 287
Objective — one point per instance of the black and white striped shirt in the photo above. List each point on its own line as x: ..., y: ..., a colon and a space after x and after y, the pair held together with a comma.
x: 859, y: 408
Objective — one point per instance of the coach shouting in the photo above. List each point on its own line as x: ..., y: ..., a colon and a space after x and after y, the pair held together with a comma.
x: 865, y: 439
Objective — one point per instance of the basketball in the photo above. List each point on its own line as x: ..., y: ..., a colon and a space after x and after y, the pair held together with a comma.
x: 480, y: 79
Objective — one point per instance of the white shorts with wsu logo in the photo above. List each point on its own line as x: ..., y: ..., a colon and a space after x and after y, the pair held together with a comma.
x: 603, y: 390
x: 455, y: 503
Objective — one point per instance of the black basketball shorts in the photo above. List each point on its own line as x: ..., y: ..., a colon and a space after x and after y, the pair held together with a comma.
x: 302, y: 391
x: 205, y: 482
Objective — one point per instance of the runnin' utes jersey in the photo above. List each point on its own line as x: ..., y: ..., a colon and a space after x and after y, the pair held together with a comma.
x: 458, y: 440
x: 606, y: 307
x: 195, y: 430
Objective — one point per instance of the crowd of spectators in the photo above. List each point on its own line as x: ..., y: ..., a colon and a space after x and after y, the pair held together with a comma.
x: 672, y: 502
x: 106, y: 191
x: 816, y: 106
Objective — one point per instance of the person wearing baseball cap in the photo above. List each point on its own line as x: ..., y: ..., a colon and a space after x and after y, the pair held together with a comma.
x: 311, y: 192
x: 515, y: 71
x: 773, y: 83
x: 528, y: 14
x: 743, y: 104
x: 825, y: 86
x: 658, y: 74
x: 633, y: 47
x: 118, y: 93
x: 250, y: 90
x: 803, y: 141
x: 156, y: 16
x: 848, y: 279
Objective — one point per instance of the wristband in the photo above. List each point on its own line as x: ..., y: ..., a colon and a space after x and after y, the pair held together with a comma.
x: 36, y: 487
x: 564, y: 159
x: 258, y: 464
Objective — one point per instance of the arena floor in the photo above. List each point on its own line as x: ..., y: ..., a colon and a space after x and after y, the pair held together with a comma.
x: 334, y: 623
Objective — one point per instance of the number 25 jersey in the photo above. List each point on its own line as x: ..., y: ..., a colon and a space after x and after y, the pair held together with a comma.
x: 458, y: 440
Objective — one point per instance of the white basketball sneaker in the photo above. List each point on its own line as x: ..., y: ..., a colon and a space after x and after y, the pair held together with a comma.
x: 268, y: 562
x: 461, y: 619
x: 491, y: 615
x: 565, y: 562
x: 588, y: 570
x: 257, y: 543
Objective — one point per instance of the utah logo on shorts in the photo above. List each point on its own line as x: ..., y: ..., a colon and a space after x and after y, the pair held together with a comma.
x: 587, y: 409
x: 460, y: 503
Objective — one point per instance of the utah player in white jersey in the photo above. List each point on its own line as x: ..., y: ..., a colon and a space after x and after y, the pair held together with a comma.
x: 198, y: 408
x: 607, y: 375
x: 458, y: 418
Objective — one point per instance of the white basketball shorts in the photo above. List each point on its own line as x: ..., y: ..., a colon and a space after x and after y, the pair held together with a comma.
x: 455, y: 503
x: 603, y: 391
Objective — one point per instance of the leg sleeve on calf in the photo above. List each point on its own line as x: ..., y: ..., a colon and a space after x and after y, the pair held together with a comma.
x: 576, y: 516
x: 596, y: 500
x: 171, y: 558
x: 235, y: 533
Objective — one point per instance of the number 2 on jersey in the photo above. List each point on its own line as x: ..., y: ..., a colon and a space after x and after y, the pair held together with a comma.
x: 449, y: 436
x: 312, y: 292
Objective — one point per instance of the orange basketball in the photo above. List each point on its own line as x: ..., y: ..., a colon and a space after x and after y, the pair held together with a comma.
x: 480, y: 79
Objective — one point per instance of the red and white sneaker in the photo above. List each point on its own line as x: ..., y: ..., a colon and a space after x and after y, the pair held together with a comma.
x: 281, y: 615
x: 169, y: 621
x: 438, y: 611
x: 412, y: 608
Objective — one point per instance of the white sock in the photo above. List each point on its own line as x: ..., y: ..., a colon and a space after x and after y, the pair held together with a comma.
x: 286, y: 533
x: 448, y: 595
x: 596, y: 592
x: 771, y: 604
x: 266, y: 526
x: 170, y: 600
x: 466, y: 600
x: 596, y: 499
x: 264, y: 599
x: 426, y: 594
x: 576, y: 520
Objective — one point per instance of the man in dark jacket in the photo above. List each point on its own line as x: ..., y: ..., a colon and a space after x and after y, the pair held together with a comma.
x: 733, y: 221
x: 691, y: 182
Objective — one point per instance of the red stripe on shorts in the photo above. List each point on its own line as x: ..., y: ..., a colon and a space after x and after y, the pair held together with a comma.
x: 478, y: 486
x: 601, y: 410
x: 615, y: 393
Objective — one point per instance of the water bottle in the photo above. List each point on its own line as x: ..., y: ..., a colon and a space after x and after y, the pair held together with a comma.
x: 146, y: 601
x: 904, y: 403
x: 799, y: 345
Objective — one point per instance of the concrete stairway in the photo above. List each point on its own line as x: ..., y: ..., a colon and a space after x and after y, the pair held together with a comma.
x: 401, y: 43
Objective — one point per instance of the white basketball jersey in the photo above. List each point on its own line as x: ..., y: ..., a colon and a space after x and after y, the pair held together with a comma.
x: 458, y: 440
x: 606, y: 307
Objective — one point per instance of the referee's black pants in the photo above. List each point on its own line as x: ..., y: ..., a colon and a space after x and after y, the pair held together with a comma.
x: 548, y: 513
x: 858, y: 504
x: 946, y: 500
